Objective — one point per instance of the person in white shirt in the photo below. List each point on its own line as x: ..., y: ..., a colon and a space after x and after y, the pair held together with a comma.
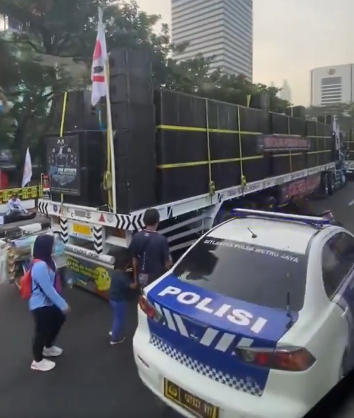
x: 14, y: 205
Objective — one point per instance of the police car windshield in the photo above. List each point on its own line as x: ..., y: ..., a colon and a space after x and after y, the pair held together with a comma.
x: 251, y: 273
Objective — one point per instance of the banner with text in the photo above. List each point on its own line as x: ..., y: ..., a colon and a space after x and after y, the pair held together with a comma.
x: 280, y: 143
x: 64, y: 164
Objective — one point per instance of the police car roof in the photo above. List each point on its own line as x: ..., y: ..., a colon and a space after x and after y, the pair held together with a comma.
x: 274, y: 234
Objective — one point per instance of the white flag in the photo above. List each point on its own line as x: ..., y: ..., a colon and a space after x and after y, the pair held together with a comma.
x: 27, y: 170
x: 98, y: 76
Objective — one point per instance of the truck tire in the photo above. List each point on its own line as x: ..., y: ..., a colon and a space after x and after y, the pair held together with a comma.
x: 325, y: 184
x: 331, y: 184
x: 269, y: 204
x: 343, y: 179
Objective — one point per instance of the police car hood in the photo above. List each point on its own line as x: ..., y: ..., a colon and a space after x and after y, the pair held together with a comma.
x: 179, y: 301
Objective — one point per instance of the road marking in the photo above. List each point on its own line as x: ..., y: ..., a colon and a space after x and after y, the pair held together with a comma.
x: 351, y: 203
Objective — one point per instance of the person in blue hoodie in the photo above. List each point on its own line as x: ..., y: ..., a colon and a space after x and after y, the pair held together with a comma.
x: 48, y: 307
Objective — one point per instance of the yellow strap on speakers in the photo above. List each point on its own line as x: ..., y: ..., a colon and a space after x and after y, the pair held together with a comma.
x: 243, y: 178
x: 61, y: 132
x: 211, y: 183
x: 107, y: 180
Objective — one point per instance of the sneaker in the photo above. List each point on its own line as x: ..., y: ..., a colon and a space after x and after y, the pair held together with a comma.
x: 43, y: 366
x: 110, y: 333
x: 121, y: 340
x: 52, y: 351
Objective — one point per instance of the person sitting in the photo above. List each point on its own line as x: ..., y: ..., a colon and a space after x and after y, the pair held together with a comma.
x: 14, y: 206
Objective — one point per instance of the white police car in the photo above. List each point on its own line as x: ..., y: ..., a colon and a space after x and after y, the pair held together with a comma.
x: 254, y: 321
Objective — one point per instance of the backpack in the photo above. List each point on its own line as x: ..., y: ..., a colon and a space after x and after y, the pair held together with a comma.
x: 26, y: 282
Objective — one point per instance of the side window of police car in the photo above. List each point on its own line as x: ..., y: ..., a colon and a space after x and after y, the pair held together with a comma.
x: 337, y: 261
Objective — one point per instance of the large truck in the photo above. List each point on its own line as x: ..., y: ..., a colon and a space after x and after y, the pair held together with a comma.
x: 349, y: 152
x: 192, y: 158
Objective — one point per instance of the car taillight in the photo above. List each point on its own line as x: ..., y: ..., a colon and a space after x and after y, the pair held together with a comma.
x: 149, y: 309
x: 294, y: 359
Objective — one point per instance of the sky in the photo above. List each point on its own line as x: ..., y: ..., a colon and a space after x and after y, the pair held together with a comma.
x: 291, y: 37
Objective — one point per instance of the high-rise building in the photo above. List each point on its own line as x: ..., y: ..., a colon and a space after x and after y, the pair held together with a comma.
x: 285, y: 92
x: 332, y: 85
x: 220, y: 28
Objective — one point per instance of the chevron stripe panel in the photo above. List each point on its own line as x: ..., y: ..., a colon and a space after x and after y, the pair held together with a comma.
x: 64, y: 228
x: 98, y: 239
x: 42, y: 208
x: 137, y: 222
x: 123, y: 221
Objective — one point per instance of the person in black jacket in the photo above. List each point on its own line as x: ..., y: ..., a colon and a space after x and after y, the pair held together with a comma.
x: 121, y: 283
x: 150, y: 251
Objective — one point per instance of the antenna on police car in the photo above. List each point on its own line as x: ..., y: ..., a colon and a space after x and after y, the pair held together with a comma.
x: 253, y: 234
x: 288, y: 309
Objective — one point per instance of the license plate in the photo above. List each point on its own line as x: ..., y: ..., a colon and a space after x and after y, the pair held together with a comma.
x: 186, y: 400
x: 81, y: 229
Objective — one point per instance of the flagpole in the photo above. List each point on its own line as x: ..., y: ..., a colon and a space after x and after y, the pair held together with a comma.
x: 110, y: 136
x: 100, y: 88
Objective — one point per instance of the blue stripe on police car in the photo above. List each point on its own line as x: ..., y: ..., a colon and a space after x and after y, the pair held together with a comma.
x: 217, y: 311
x: 202, y: 330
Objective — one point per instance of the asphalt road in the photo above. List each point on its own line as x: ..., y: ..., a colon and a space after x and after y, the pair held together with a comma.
x: 95, y: 379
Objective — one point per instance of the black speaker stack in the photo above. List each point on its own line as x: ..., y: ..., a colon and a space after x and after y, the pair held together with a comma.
x: 83, y: 150
x: 80, y: 115
x: 260, y: 100
x: 133, y: 119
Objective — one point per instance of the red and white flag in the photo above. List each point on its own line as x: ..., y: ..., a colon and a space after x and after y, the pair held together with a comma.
x: 98, y: 75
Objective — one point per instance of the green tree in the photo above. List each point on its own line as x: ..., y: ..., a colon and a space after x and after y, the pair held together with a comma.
x: 57, y: 38
x: 53, y: 52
